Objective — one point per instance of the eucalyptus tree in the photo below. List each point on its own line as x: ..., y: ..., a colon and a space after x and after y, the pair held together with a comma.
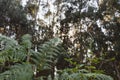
x: 89, y: 28
x: 90, y: 32
x: 13, y: 19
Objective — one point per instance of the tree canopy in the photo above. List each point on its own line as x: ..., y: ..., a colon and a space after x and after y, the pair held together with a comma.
x: 89, y: 31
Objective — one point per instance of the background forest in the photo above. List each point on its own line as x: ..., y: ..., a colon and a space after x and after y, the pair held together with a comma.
x: 59, y: 39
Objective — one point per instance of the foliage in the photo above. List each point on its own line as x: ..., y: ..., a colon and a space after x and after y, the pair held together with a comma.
x: 18, y: 72
x: 18, y: 60
x: 21, y: 62
x: 78, y: 74
x: 72, y: 74
x: 89, y: 30
x: 13, y: 18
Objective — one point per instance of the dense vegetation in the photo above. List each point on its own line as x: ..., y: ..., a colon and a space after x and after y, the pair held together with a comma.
x: 83, y: 39
x: 18, y: 61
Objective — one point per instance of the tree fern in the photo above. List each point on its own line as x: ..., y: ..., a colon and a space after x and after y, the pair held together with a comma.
x: 20, y: 61
x: 47, y: 53
x: 13, y: 54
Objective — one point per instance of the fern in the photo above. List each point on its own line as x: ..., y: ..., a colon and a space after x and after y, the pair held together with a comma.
x: 26, y: 41
x: 7, y: 43
x: 70, y: 74
x: 20, y: 62
x: 10, y: 50
x: 46, y: 54
x: 16, y: 56
x: 18, y: 72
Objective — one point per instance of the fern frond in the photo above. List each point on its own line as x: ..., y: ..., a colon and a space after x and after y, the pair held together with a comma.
x: 11, y: 50
x: 98, y: 76
x: 47, y: 53
x: 26, y: 41
x: 68, y: 74
x: 7, y: 42
x: 18, y: 72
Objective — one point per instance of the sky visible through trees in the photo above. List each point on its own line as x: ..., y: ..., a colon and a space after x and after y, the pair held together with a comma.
x: 89, y: 30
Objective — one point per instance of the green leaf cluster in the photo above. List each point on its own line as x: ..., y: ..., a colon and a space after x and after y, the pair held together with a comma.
x: 18, y: 61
